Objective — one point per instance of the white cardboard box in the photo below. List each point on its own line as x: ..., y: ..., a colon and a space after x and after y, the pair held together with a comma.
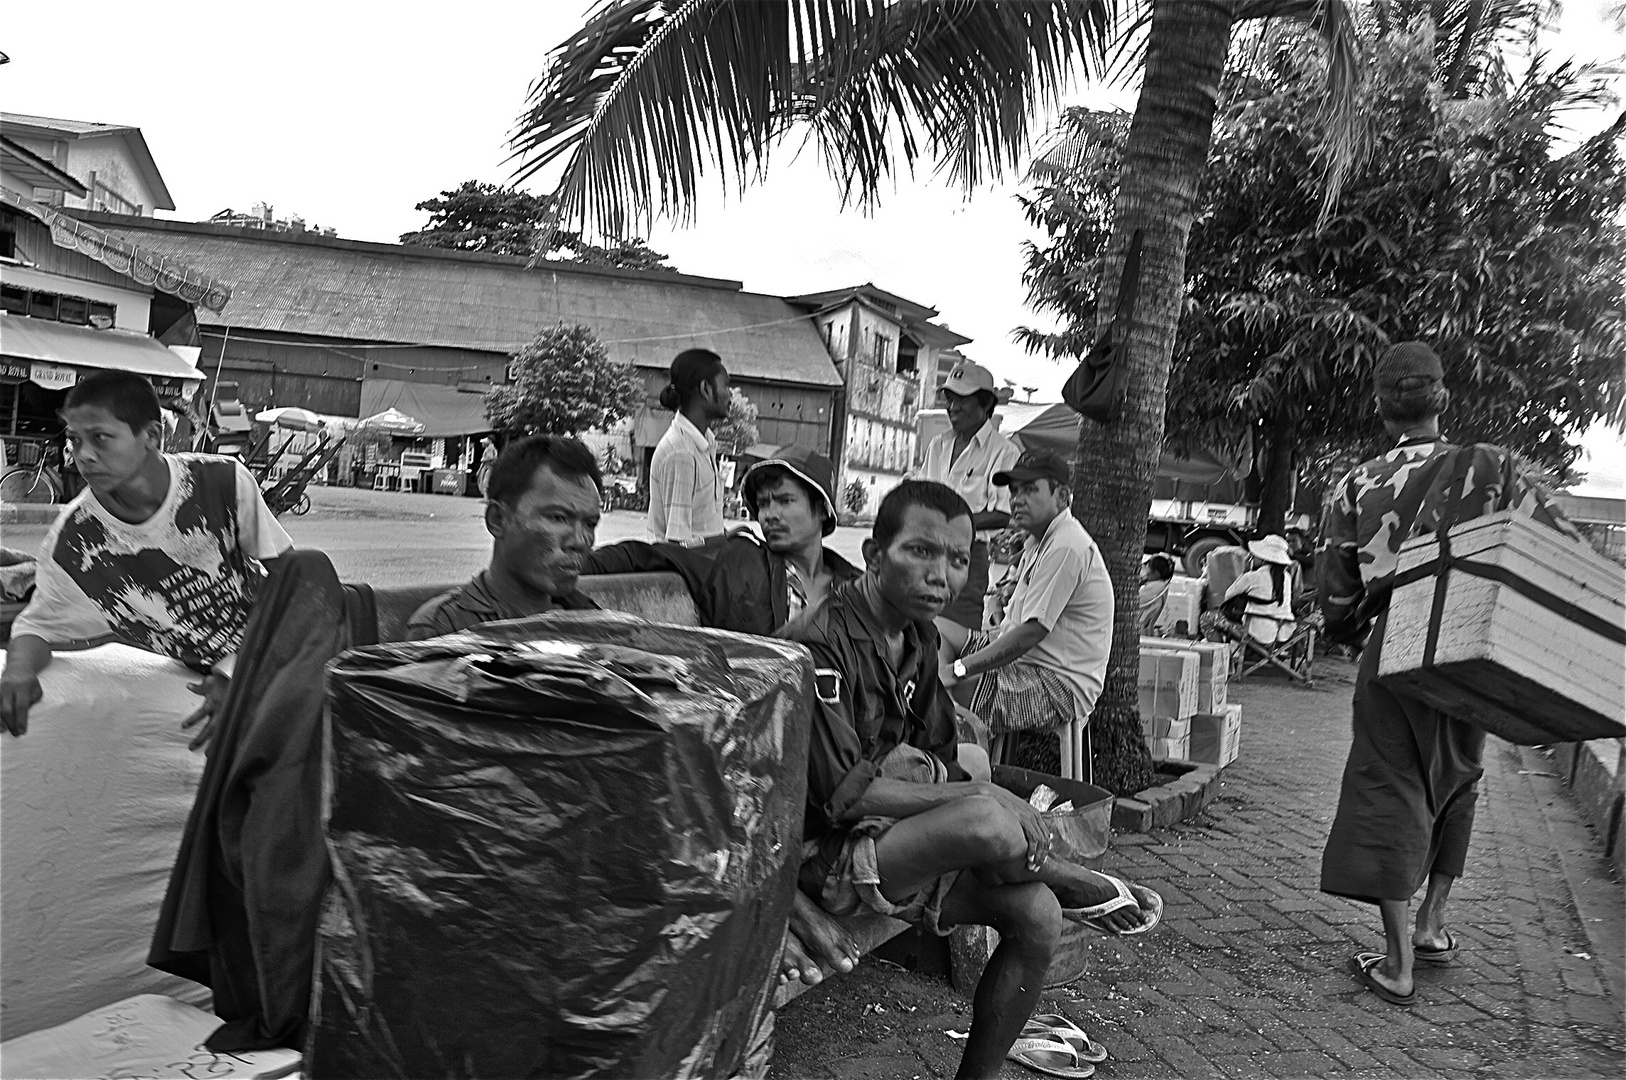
x: 1213, y: 671
x: 1171, y: 749
x: 1168, y: 683
x: 1216, y: 737
x: 1528, y: 643
x: 1183, y: 604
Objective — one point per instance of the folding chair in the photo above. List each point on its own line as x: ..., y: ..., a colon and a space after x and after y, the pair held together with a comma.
x: 1294, y: 655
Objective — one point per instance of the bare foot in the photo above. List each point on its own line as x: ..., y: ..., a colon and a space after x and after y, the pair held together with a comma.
x: 821, y: 935
x: 794, y: 963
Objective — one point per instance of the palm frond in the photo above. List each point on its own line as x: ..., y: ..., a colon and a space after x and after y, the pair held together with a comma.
x: 648, y: 96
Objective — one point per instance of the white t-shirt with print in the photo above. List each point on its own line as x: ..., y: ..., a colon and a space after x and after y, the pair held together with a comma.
x: 180, y: 583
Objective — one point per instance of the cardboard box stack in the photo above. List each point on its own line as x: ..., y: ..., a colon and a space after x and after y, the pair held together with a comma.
x: 1168, y: 698
x: 1182, y: 607
x: 1211, y: 731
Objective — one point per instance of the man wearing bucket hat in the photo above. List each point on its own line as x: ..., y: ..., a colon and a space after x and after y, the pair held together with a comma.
x: 747, y: 584
x: 1406, y: 805
x: 966, y: 457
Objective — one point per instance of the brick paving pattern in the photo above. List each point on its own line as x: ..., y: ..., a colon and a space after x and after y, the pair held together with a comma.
x: 1247, y: 976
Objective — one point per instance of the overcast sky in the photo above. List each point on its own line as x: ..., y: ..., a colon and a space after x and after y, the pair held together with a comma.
x: 349, y: 113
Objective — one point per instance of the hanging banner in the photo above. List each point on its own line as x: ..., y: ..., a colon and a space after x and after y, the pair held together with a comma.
x: 52, y: 376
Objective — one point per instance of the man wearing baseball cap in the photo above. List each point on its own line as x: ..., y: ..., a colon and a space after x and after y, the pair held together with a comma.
x: 1043, y: 666
x: 1406, y: 805
x: 965, y: 458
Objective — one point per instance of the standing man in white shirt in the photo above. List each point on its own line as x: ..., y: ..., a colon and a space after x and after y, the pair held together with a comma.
x: 685, y: 486
x: 966, y: 457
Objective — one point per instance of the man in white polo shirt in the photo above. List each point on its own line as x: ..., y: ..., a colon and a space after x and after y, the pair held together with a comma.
x: 1044, y: 664
x: 966, y: 457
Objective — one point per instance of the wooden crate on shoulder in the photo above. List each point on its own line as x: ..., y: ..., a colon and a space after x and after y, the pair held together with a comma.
x: 1536, y: 657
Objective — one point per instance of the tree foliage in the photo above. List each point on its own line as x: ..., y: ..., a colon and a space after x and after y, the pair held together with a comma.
x: 564, y: 384
x: 477, y: 216
x: 739, y: 430
x: 1459, y: 226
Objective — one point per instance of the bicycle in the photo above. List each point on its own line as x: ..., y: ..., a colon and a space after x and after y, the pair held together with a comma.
x: 36, y: 483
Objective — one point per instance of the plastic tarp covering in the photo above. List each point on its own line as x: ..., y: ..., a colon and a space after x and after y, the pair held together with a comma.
x: 148, y: 1035
x: 93, y: 800
x: 562, y: 846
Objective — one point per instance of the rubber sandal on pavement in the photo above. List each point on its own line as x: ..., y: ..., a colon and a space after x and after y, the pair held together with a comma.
x: 1361, y: 965
x: 1050, y: 1056
x: 1430, y: 954
x: 1093, y: 916
x: 1058, y: 1026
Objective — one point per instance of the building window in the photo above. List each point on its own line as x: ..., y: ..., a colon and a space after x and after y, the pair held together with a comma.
x: 882, y: 350
x: 8, y: 244
x: 38, y: 304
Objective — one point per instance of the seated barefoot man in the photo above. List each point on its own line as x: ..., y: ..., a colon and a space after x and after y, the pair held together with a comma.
x: 895, y: 823
x: 755, y: 586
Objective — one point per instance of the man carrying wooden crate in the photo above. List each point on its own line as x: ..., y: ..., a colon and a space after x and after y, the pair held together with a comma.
x: 1406, y: 807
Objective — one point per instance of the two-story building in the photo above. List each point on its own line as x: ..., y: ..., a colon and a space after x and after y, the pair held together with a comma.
x: 884, y: 346
x: 74, y: 299
x: 111, y: 165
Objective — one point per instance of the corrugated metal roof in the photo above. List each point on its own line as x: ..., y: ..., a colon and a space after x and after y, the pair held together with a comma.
x: 389, y: 293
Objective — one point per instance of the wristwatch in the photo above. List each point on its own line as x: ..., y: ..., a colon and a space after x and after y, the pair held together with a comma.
x: 959, y: 670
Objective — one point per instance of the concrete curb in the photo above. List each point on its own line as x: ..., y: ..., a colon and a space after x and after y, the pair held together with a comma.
x: 1177, y: 799
x: 29, y: 513
x: 1599, y: 790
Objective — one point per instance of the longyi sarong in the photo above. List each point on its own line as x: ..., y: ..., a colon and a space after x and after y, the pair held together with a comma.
x: 1406, y: 806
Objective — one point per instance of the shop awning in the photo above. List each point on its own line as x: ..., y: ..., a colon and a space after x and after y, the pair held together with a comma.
x: 443, y: 410
x: 52, y: 354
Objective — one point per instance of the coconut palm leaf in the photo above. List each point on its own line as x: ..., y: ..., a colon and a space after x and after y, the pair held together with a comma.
x: 648, y: 95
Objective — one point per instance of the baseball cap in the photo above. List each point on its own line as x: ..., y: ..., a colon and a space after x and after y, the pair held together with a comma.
x: 1035, y: 465
x: 967, y: 377
x: 808, y: 466
x: 1404, y: 361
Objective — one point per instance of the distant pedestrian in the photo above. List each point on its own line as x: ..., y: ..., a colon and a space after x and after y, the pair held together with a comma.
x: 685, y: 485
x: 966, y: 457
x: 1155, y: 574
x: 1406, y: 807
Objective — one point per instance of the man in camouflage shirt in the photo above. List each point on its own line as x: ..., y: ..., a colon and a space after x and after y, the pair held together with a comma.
x: 1406, y: 807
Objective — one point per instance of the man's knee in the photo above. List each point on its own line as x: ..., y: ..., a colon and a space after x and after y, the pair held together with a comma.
x: 988, y: 832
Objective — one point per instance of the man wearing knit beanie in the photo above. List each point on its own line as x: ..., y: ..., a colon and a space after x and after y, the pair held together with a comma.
x: 1406, y: 806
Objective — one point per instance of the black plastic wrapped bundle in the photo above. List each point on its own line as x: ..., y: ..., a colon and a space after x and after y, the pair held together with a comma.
x: 562, y: 846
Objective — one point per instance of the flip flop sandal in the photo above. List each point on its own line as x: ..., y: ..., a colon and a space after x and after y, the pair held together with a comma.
x: 1050, y: 1056
x: 1093, y: 916
x: 1058, y: 1026
x: 1430, y: 954
x: 1361, y: 965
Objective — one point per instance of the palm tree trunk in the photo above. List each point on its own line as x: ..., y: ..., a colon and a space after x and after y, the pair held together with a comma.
x: 1163, y: 163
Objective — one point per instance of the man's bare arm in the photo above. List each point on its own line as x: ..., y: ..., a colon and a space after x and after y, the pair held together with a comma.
x: 1013, y: 644
x: 886, y: 797
x: 26, y: 657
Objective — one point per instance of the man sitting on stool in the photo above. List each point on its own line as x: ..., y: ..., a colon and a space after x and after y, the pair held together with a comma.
x: 1042, y: 668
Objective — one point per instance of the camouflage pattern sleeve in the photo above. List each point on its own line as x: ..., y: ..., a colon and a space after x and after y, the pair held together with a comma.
x: 1527, y: 499
x: 1339, y: 589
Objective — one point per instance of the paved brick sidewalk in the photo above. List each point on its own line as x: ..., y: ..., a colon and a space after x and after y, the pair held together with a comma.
x: 1248, y: 977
